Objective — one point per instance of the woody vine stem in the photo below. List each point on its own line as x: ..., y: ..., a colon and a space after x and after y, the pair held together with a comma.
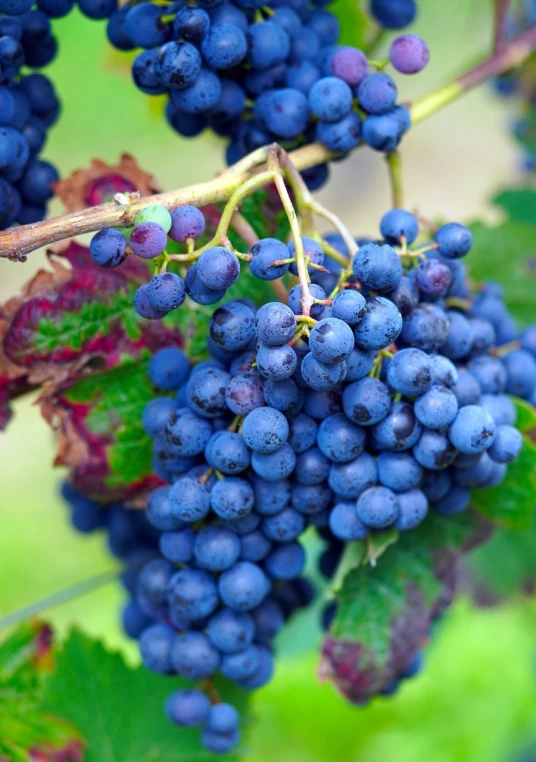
x: 17, y: 243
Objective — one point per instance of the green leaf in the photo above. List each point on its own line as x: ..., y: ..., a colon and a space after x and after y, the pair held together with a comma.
x: 112, y: 403
x: 518, y: 203
x: 120, y: 710
x: 371, y: 598
x: 504, y: 253
x: 24, y: 727
x: 357, y: 27
x: 511, y: 504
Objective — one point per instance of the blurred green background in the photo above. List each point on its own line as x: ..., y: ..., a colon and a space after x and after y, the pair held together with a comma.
x: 476, y: 701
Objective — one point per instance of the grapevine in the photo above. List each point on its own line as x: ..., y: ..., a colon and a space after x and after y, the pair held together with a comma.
x: 293, y: 386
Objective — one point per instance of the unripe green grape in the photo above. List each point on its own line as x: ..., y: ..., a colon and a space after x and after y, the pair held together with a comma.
x: 154, y: 213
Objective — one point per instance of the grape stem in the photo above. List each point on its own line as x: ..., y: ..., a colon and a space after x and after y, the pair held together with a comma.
x: 394, y: 165
x: 57, y: 599
x: 307, y: 300
x: 501, y: 15
x: 17, y: 242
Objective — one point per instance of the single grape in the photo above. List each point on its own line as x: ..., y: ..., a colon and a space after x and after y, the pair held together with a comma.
x: 434, y: 451
x: 188, y: 708
x: 285, y: 561
x: 194, y: 657
x: 295, y: 297
x: 319, y: 376
x: 265, y: 430
x: 342, y: 135
x: 276, y: 363
x: 242, y: 664
x: 224, y: 47
x: 232, y: 326
x: 456, y: 501
x: 166, y: 292
x: 264, y: 253
x: 349, y: 480
x: 377, y: 507
x: 148, y: 240
x: 339, y: 439
x: 169, y: 368
x: 398, y: 471
x: 377, y: 93
x: 232, y: 498
x: 156, y: 644
x: 330, y: 99
x: 275, y: 465
x: 432, y: 277
x: 413, y: 508
x: 243, y: 587
x: 344, y: 523
x: 366, y: 402
x: 189, y: 499
x: 107, y: 248
x: 506, y: 445
x: 216, y: 548
x: 198, y: 292
x: 380, y: 326
x: 177, y: 547
x: 378, y: 267
x: 409, y: 54
x: 275, y: 323
x: 436, y: 408
x: 454, y: 240
x: 349, y: 64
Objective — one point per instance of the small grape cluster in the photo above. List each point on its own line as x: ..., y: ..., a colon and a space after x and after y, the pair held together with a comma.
x: 28, y: 107
x: 256, y: 73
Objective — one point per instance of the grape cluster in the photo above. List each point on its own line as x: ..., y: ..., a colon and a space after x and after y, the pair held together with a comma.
x: 256, y: 73
x: 392, y: 400
x: 28, y: 107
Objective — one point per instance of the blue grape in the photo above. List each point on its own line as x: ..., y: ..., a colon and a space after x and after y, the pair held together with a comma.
x: 348, y: 64
x: 506, y: 444
x: 276, y: 363
x: 444, y: 372
x: 275, y: 323
x: 349, y: 480
x: 342, y: 135
x: 269, y: 44
x: 456, y: 501
x: 193, y: 593
x: 191, y: 24
x: 380, y: 326
x: 410, y: 372
x: 188, y: 708
x: 413, y: 509
x: 224, y: 46
x: 156, y: 643
x: 312, y: 467
x: 377, y: 507
x: 295, y: 296
x: 383, y: 132
x: 177, y: 547
x: 231, y: 631
x: 321, y: 404
x: 263, y: 255
x: 454, y: 240
x: 435, y: 485
x: 178, y: 64
x: 218, y: 268
x: 270, y: 496
x: 194, y: 657
x: 301, y: 76
x: 269, y: 619
x: 436, y: 408
x: 232, y: 498
x: 244, y: 393
x: 285, y: 561
x: 319, y: 376
x: 339, y: 439
x: 265, y: 430
x: 203, y: 95
x: 312, y: 251
x: 275, y: 465
x: 254, y: 546
x: 166, y: 292
x: 302, y: 432
x: 434, y: 451
x: 153, y: 580
x: 500, y: 408
x: 263, y: 674
x: 161, y: 513
x: 198, y: 292
x: 377, y: 93
x: 186, y: 222
x: 466, y: 389
x: 350, y: 306
x: 216, y: 548
x: 398, y: 471
x: 483, y: 334
x: 242, y: 664
x: 394, y: 14
x: 219, y: 743
x: 287, y: 112
x: 331, y: 341
x: 134, y: 619
x: 459, y: 339
x: 284, y: 396
x: 230, y: 454
x: 432, y: 277
x: 359, y: 364
x: 366, y: 402
x: 344, y: 523
x: 232, y: 326
x: 169, y: 368
x: 144, y: 72
x: 490, y: 374
x: 107, y: 248
x: 243, y: 587
x: 426, y: 327
x: 310, y: 499
x: 187, y: 433
x: 377, y: 266
x: 205, y: 392
x: 189, y: 499
x: 397, y: 224
x: 330, y: 99
x: 520, y: 369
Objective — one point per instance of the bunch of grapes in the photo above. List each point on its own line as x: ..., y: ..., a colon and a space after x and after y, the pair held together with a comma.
x: 385, y: 398
x: 28, y: 107
x: 256, y: 73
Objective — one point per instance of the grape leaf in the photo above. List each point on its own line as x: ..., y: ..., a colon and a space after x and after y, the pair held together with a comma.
x: 26, y: 731
x: 511, y: 504
x: 121, y: 710
x: 507, y: 253
x: 384, y: 612
x: 357, y: 26
x: 508, y: 562
x: 518, y: 203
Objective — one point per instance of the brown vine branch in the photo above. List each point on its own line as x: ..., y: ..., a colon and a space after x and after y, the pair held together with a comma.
x: 501, y: 15
x: 16, y: 243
